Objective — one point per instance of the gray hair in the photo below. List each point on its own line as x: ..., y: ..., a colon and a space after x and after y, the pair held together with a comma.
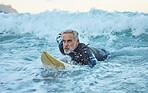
x: 72, y: 31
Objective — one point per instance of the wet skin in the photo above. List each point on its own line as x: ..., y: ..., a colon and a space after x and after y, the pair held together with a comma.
x: 69, y: 42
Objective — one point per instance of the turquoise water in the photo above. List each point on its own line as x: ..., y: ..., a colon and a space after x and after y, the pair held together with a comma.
x: 23, y: 37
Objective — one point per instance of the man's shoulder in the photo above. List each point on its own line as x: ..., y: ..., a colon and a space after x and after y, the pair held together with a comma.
x: 82, y: 47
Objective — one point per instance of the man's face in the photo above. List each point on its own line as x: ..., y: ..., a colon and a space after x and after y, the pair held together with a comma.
x: 69, y: 42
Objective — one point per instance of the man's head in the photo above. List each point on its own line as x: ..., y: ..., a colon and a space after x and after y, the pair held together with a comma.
x: 70, y: 40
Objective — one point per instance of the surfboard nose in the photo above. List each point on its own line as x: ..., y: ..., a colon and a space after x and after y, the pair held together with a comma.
x: 47, y: 59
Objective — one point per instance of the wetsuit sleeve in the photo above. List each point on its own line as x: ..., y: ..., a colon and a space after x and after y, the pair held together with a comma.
x: 92, y: 60
x: 59, y: 41
x: 59, y: 38
x: 89, y: 58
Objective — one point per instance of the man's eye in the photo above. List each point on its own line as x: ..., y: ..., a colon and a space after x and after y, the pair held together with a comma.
x: 63, y: 40
x: 69, y: 40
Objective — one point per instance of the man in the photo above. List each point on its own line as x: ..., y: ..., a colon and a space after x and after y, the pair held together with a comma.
x: 80, y: 53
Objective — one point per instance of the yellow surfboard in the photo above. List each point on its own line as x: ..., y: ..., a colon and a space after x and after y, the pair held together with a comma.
x: 47, y: 59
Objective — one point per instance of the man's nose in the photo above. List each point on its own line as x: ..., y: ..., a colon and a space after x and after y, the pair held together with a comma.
x: 66, y: 43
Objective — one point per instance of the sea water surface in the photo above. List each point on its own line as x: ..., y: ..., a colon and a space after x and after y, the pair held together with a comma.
x: 23, y: 37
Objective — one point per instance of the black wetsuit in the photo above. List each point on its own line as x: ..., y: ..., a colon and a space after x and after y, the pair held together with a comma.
x: 85, y: 55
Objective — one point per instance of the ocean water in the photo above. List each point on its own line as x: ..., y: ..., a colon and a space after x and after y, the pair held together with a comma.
x: 23, y: 37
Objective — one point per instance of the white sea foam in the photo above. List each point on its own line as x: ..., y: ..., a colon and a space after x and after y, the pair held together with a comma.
x: 97, y: 22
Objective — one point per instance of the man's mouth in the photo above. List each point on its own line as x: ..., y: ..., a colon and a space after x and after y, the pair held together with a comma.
x: 66, y: 48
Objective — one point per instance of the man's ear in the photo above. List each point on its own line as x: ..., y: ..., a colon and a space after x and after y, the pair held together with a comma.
x: 77, y: 43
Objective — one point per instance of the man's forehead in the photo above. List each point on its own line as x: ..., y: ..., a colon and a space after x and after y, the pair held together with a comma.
x: 68, y: 36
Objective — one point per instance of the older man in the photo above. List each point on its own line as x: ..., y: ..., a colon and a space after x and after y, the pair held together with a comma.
x: 79, y: 52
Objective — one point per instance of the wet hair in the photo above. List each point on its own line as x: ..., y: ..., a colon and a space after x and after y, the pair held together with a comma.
x: 72, y: 31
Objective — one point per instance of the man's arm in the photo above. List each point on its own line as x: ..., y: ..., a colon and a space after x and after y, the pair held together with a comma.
x: 59, y: 38
x: 89, y: 58
x: 59, y: 41
x: 92, y: 60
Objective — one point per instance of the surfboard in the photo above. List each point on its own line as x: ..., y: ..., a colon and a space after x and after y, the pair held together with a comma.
x: 49, y: 60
